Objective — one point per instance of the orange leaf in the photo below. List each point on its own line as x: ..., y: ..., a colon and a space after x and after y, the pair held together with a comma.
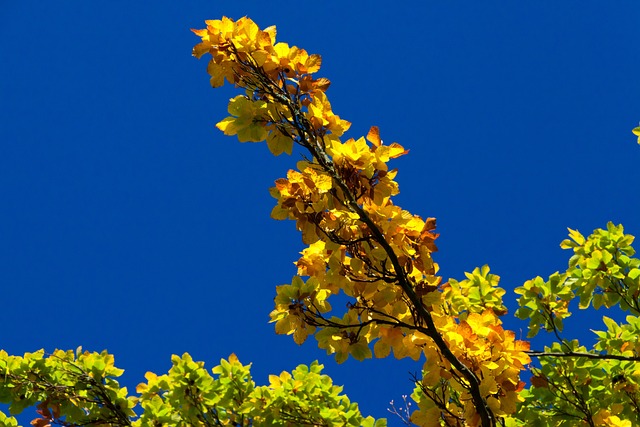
x: 374, y: 136
x: 541, y: 382
x: 430, y: 224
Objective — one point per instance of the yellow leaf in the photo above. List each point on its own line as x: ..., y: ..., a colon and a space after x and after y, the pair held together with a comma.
x: 576, y: 236
x: 381, y: 349
x: 228, y: 126
x: 300, y: 335
x: 217, y: 73
x: 488, y: 386
x: 247, y: 120
x: 396, y: 150
x: 321, y: 116
x: 321, y: 181
x: 283, y: 326
x: 494, y: 404
x: 636, y: 132
x: 252, y: 133
x: 360, y: 350
x: 614, y: 421
x: 312, y: 64
x: 274, y: 381
x: 432, y: 298
x: 278, y: 213
x: 279, y: 143
x: 260, y: 56
x: 201, y: 48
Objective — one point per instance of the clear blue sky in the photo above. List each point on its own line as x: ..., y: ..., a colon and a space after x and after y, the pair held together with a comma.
x: 128, y: 222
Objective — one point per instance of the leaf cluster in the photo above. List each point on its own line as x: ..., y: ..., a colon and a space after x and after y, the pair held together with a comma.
x: 363, y: 248
x: 360, y: 245
x: 575, y: 385
x: 78, y: 389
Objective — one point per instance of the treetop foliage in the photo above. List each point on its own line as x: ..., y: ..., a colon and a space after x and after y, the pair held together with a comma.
x: 363, y: 247
x: 81, y: 388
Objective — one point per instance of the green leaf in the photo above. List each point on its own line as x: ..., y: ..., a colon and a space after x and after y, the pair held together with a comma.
x: 360, y: 351
x: 6, y: 421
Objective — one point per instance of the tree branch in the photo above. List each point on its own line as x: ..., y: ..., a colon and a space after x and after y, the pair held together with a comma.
x: 534, y: 353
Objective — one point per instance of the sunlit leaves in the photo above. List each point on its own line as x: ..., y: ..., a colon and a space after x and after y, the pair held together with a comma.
x: 601, y: 273
x: 322, y: 118
x: 7, y: 421
x: 79, y: 386
x: 295, y: 61
x: 604, y: 272
x: 289, y: 400
x: 79, y: 389
x: 598, y: 386
x: 622, y: 339
x: 593, y: 390
x: 279, y: 143
x: 485, y: 346
x: 360, y: 245
x: 378, y: 256
x: 545, y: 304
x: 247, y: 121
x: 476, y: 293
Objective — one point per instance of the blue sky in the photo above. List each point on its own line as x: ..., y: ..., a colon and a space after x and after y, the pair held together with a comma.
x: 128, y: 222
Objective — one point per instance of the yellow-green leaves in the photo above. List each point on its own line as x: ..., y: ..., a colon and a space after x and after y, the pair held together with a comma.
x: 603, y: 271
x: 565, y: 389
x: 360, y: 244
x: 79, y: 389
x: 621, y: 339
x: 576, y: 239
x: 379, y: 257
x: 190, y: 396
x: 286, y: 400
x: 545, y: 304
x: 599, y: 385
x: 476, y: 293
x: 279, y: 143
x: 7, y: 421
x: 636, y: 132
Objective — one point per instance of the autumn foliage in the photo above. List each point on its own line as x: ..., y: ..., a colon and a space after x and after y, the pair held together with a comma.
x: 360, y: 243
x: 363, y: 247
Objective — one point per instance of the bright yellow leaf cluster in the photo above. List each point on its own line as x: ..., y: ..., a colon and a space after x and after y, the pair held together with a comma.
x: 360, y: 244
x: 322, y: 118
x: 482, y: 344
x: 239, y: 47
x: 228, y: 41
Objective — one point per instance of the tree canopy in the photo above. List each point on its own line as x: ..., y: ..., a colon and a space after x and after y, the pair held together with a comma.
x: 362, y: 247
